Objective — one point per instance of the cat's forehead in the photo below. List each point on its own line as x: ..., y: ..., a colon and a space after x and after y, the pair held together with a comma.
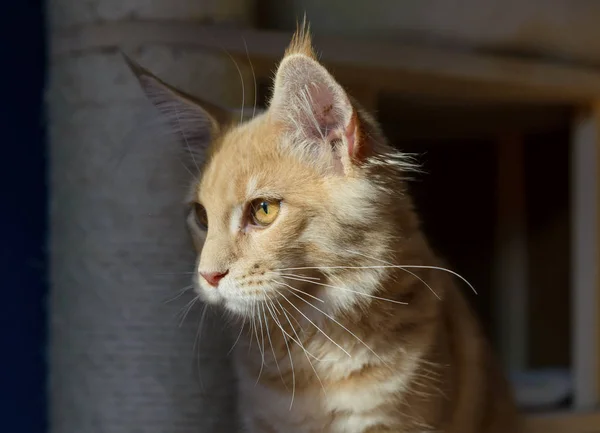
x: 245, y: 160
x: 249, y: 141
x: 249, y: 163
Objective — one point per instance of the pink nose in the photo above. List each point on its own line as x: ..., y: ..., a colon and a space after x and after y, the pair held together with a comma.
x: 213, y: 278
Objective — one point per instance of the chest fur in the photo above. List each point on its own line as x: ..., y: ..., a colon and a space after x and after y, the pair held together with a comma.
x: 346, y: 398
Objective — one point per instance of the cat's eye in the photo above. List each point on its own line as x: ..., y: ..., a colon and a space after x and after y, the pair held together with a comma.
x: 200, y: 216
x: 263, y: 211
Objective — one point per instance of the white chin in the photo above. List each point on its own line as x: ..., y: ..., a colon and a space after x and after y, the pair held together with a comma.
x: 207, y: 296
x: 233, y: 299
x: 245, y: 306
x: 239, y: 308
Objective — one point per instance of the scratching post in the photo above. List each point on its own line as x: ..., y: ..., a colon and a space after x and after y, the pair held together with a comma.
x: 119, y: 247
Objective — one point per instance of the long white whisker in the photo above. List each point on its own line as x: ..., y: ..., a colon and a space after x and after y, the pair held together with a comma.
x: 296, y: 275
x: 291, y: 337
x: 298, y: 290
x: 174, y: 273
x: 179, y: 295
x: 349, y: 290
x: 271, y: 342
x: 291, y: 362
x: 238, y: 337
x: 342, y: 326
x: 316, y: 358
x: 187, y: 309
x: 262, y: 343
x: 405, y: 270
x: 319, y: 329
x: 253, y: 77
x: 251, y: 329
x: 439, y: 268
x: 197, y: 343
x: 243, y: 87
x: 305, y: 352
x: 423, y: 281
x: 199, y: 330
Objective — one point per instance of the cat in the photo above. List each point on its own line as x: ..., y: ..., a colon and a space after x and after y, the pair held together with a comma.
x: 344, y: 318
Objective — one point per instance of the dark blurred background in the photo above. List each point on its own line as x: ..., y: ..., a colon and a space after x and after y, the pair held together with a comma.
x: 23, y: 215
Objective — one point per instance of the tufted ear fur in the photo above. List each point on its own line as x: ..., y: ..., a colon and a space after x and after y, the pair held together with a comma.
x: 314, y: 108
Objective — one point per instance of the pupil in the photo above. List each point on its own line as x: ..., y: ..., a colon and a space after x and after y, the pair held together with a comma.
x: 265, y: 207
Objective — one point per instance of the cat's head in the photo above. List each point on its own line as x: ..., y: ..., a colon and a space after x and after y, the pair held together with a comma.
x: 290, y: 198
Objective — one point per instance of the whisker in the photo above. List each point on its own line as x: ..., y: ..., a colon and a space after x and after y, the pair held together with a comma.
x: 197, y: 343
x: 298, y: 341
x: 178, y: 295
x: 262, y: 342
x: 423, y: 281
x: 173, y: 273
x: 251, y: 328
x: 291, y: 361
x: 438, y: 268
x: 238, y: 337
x: 273, y: 305
x: 349, y: 290
x: 266, y: 308
x: 243, y: 87
x: 339, y: 324
x: 319, y: 329
x: 199, y: 330
x: 255, y: 316
x: 276, y: 312
x: 285, y: 333
x: 405, y: 270
x: 253, y: 331
x: 296, y: 275
x: 298, y: 290
x: 186, y: 309
x: 305, y: 352
x: 253, y: 77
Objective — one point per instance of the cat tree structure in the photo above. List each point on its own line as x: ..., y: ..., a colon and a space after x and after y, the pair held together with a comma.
x: 118, y: 360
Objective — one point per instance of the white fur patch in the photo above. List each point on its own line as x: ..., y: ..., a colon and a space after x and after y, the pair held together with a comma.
x: 251, y: 186
x: 235, y: 220
x: 353, y: 411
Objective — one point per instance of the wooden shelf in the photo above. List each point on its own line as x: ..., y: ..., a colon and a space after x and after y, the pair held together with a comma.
x: 412, y: 120
x: 386, y: 67
x: 564, y: 422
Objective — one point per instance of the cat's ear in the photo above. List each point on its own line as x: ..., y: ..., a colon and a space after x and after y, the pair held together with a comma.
x: 313, y: 107
x: 195, y: 121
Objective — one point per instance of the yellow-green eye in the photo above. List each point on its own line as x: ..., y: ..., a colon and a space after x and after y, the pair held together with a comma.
x: 263, y: 211
x: 200, y: 216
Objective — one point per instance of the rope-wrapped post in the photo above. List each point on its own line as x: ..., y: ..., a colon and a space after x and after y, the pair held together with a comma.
x: 119, y: 362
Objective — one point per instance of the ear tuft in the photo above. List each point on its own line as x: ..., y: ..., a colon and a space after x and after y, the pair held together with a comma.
x: 301, y: 41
